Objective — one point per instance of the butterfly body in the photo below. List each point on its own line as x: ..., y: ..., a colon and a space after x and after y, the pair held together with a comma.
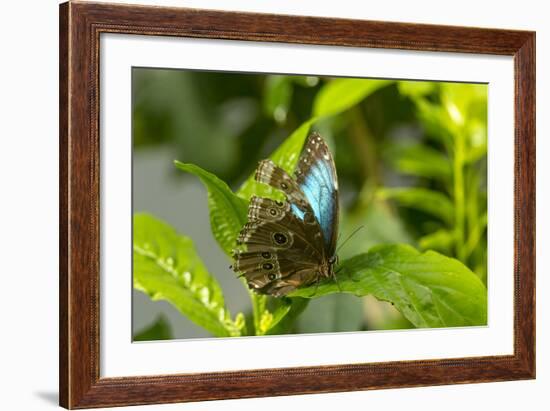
x: 292, y: 243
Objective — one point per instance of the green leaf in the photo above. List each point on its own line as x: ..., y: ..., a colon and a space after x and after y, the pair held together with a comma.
x: 437, y: 122
x: 429, y: 289
x: 227, y: 217
x: 270, y: 318
x: 286, y: 156
x: 433, y: 202
x: 416, y: 89
x: 465, y: 101
x: 227, y: 211
x: 158, y: 330
x: 421, y: 161
x: 341, y: 94
x: 277, y: 97
x: 440, y: 240
x: 284, y: 319
x: 167, y: 267
x: 281, y: 309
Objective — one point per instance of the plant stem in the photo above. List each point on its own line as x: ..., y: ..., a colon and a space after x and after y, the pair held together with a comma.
x: 258, y: 308
x: 258, y: 303
x: 458, y: 168
x: 475, y: 235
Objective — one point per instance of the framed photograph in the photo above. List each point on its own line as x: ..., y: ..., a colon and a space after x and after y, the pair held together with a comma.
x: 260, y: 205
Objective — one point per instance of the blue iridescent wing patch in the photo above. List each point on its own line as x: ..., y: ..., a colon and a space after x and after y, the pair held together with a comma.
x: 316, y: 177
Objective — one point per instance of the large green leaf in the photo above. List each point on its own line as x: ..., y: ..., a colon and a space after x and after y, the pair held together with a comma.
x: 167, y: 267
x: 227, y: 211
x: 343, y: 93
x: 433, y: 202
x: 429, y: 289
x: 227, y: 217
x: 286, y: 157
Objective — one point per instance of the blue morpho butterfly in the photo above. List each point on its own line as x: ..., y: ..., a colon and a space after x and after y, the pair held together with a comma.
x: 293, y: 243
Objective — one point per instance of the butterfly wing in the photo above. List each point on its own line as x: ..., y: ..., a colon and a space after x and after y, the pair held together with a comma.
x: 288, y: 243
x: 280, y: 253
x: 284, y: 244
x: 316, y: 178
x: 270, y: 174
x: 274, y: 176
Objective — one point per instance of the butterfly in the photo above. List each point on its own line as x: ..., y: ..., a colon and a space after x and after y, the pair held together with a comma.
x: 292, y: 243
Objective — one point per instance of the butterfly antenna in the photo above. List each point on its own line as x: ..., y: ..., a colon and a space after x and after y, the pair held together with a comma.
x: 349, y: 237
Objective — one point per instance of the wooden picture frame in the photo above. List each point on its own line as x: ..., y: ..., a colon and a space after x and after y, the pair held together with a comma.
x: 80, y: 27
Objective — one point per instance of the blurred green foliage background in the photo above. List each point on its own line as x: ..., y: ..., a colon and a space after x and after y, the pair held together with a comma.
x: 410, y: 156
